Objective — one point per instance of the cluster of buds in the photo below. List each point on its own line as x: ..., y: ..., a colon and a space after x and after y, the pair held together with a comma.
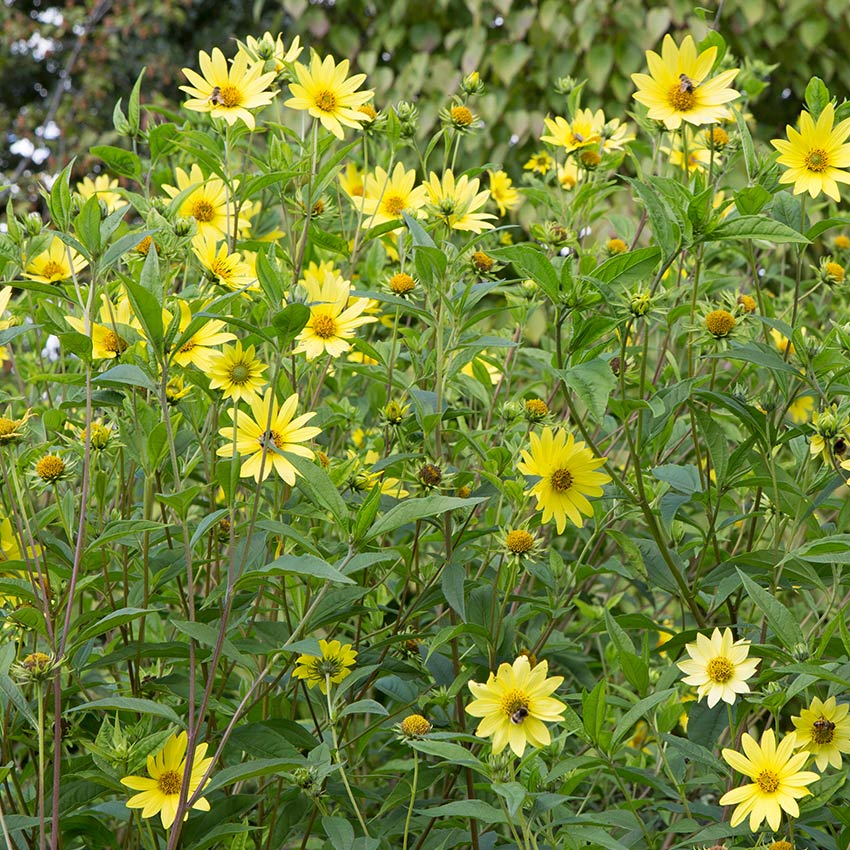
x: 408, y: 118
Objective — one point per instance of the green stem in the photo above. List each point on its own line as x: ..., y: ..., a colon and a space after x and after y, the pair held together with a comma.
x: 412, y: 800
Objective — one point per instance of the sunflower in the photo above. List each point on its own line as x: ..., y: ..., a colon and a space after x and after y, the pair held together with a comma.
x: 228, y: 93
x: 719, y: 667
x: 331, y: 667
x: 333, y: 318
x: 515, y: 703
x: 502, y: 191
x: 206, y: 203
x: 268, y: 437
x: 456, y: 202
x: 58, y: 262
x: 223, y: 267
x: 778, y: 784
x: 585, y: 129
x: 816, y: 155
x: 110, y: 337
x: 160, y: 790
x: 676, y: 88
x: 326, y: 94
x: 102, y: 186
x: 386, y: 197
x: 567, y: 477
x: 238, y: 373
x: 823, y: 729
x: 198, y: 349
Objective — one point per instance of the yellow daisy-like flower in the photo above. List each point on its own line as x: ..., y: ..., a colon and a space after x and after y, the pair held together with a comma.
x: 386, y: 197
x: 332, y: 666
x: 238, y: 373
x: 109, y: 337
x: 539, y: 163
x: 323, y: 90
x: 268, y: 437
x: 718, y: 667
x: 582, y: 131
x: 502, y: 191
x: 456, y: 202
x: 271, y: 49
x: 221, y: 266
x: 801, y: 409
x: 351, y: 181
x: 102, y: 186
x: 207, y: 203
x: 699, y: 156
x: 333, y: 318
x: 160, y: 790
x: 568, y: 175
x: 10, y: 549
x: 831, y: 434
x: 823, y: 729
x: 815, y: 156
x: 615, y: 135
x: 58, y: 262
x: 228, y: 93
x: 566, y: 472
x: 676, y: 88
x: 778, y: 781
x: 198, y: 350
x: 515, y: 704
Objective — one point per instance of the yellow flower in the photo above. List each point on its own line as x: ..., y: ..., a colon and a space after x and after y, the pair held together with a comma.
x: 238, y: 373
x: 160, y: 790
x: 566, y: 472
x: 493, y: 372
x: 615, y: 136
x: 718, y: 667
x: 515, y: 704
x: 800, y: 410
x: 198, y: 349
x: 332, y: 319
x: 268, y: 437
x: 386, y: 197
x: 823, y: 729
x: 58, y: 262
x: 101, y: 186
x: 271, y: 49
x: 456, y: 202
x: 228, y: 93
x: 331, y: 667
x: 10, y: 549
x: 676, y: 88
x: 206, y: 203
x: 816, y: 155
x: 699, y: 156
x: 222, y: 267
x: 782, y: 343
x: 539, y: 163
x: 351, y: 181
x: 326, y: 94
x: 568, y: 175
x: 582, y: 131
x: 502, y: 191
x: 778, y: 784
x: 832, y: 434
x: 109, y: 337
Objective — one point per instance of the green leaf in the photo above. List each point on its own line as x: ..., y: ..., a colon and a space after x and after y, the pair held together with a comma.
x: 622, y: 269
x: 754, y: 227
x: 636, y: 712
x: 532, y: 263
x: 593, y: 383
x: 411, y: 510
x: 817, y: 97
x: 784, y: 624
x: 112, y: 621
x: 593, y: 711
x: 452, y: 583
x: 139, y: 706
x: 208, y: 635
x: 303, y: 565
x: 450, y: 753
x: 148, y: 308
x: 417, y: 232
x: 667, y: 232
x: 339, y: 831
x: 750, y: 159
x: 475, y: 809
x: 76, y: 343
x: 125, y: 374
x: 289, y: 322
x: 752, y: 200
x: 251, y: 770
x: 317, y: 486
x: 122, y: 162
x: 87, y: 225
x: 10, y: 690
x: 683, y: 478
x: 364, y: 706
x: 120, y: 247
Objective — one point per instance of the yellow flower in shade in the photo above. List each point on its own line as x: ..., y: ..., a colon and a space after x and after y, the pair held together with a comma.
x: 502, y: 191
x: 228, y: 93
x: 800, y: 410
x: 332, y: 666
x: 578, y: 133
x: 699, y: 156
x: 271, y: 49
x: 102, y: 186
x: 110, y: 337
x: 10, y: 550
x: 539, y: 163
x: 456, y: 202
x: 160, y: 789
x: 615, y: 136
x: 5, y: 297
x: 326, y: 94
x: 777, y: 783
x: 782, y: 343
x: 568, y: 175
x: 221, y: 266
x: 718, y: 667
x: 566, y: 472
x: 515, y: 704
x: 823, y: 729
x: 198, y: 350
x: 816, y: 155
x: 58, y: 262
x: 676, y: 88
x: 333, y: 319
x: 493, y: 372
x: 238, y: 373
x: 268, y: 437
x: 386, y: 197
x: 206, y: 203
x: 351, y: 182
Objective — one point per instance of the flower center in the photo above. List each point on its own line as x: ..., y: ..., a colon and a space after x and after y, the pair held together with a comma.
x: 229, y: 96
x: 401, y: 283
x: 326, y: 101
x: 817, y: 160
x: 324, y: 327
x: 561, y: 480
x: 271, y: 438
x: 240, y: 374
x: 187, y: 346
x: 53, y: 269
x: 169, y: 782
x: 203, y: 210
x: 720, y: 670
x: 330, y: 667
x: 720, y: 323
x: 515, y: 706
x: 112, y: 342
x: 681, y: 96
x: 519, y: 541
x: 767, y: 781
x: 394, y: 205
x: 823, y: 731
x: 7, y: 426
x: 50, y: 468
